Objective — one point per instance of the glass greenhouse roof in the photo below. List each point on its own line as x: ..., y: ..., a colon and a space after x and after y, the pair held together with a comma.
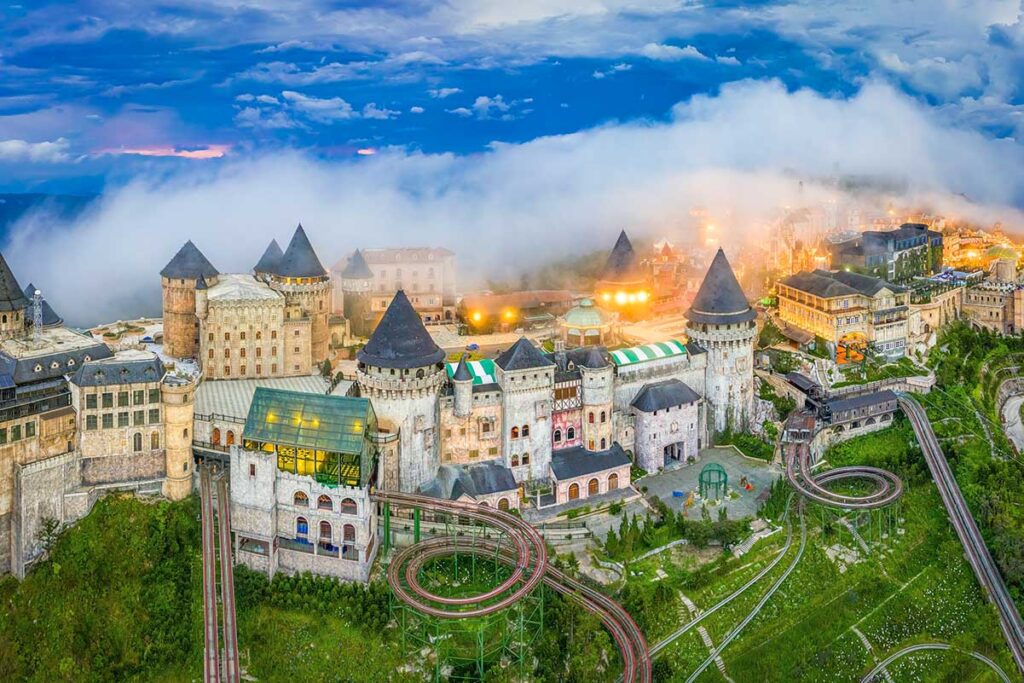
x: 313, y: 421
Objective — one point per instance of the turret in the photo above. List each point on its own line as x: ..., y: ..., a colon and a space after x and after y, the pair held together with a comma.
x: 306, y: 287
x: 178, y: 280
x: 13, y: 304
x: 623, y: 287
x: 597, y: 394
x: 527, y: 380
x: 462, y: 383
x: 201, y: 298
x: 178, y: 397
x: 356, y: 281
x: 270, y: 260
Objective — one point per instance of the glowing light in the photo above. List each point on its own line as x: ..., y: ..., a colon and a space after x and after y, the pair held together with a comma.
x: 631, y: 298
x: 620, y: 298
x: 366, y: 151
x: 711, y: 227
x: 606, y: 296
x: 509, y: 314
x: 271, y: 417
x: 641, y: 297
x: 476, y: 317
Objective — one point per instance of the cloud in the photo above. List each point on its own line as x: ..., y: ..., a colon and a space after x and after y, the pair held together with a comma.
x: 611, y: 71
x: 319, y: 109
x: 485, y: 106
x: 441, y: 93
x: 256, y: 117
x: 50, y: 152
x: 671, y: 53
x: 728, y: 60
x: 288, y: 73
x: 742, y: 151
x: 416, y: 110
x: 372, y: 111
x: 460, y: 111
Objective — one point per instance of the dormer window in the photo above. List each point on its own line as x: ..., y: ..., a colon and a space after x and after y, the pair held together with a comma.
x: 87, y: 358
x: 54, y: 365
x: 71, y: 362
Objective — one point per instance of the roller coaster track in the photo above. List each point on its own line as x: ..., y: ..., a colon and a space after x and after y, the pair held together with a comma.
x: 216, y: 535
x: 870, y: 677
x: 888, y: 487
x: 528, y: 558
x: 966, y: 530
x: 211, y: 648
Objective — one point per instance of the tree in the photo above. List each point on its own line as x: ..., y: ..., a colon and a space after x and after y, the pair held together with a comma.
x: 49, y: 532
x: 325, y: 369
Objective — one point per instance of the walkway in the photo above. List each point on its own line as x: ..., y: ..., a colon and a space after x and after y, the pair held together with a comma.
x: 1012, y: 423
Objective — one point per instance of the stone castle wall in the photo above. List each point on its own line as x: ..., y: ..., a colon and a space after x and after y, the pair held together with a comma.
x: 180, y: 322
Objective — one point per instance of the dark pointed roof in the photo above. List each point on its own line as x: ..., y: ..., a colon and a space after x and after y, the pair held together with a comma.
x: 12, y: 298
x: 521, y: 356
x: 201, y: 284
x: 357, y: 268
x: 462, y: 373
x: 50, y: 317
x: 189, y: 263
x: 622, y: 262
x: 720, y: 300
x: 270, y: 260
x: 400, y: 340
x: 667, y: 393
x: 299, y: 259
x: 594, y: 359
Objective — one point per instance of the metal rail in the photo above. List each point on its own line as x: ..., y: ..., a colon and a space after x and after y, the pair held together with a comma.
x: 888, y: 487
x: 227, y: 582
x: 528, y: 557
x: 211, y: 649
x: 932, y: 646
x: 963, y: 523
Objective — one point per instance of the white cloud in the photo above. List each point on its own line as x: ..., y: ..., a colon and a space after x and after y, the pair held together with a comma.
x: 288, y: 73
x: 728, y: 60
x: 38, y: 152
x: 743, y: 150
x: 671, y: 53
x: 255, y: 117
x: 372, y: 111
x: 319, y: 109
x: 485, y: 106
x: 442, y: 93
x: 460, y: 111
x: 416, y: 110
x: 611, y: 71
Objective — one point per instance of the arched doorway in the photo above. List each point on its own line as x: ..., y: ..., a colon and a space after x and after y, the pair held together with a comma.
x: 574, y: 491
x: 613, y: 481
x: 215, y: 439
x: 231, y: 438
x: 592, y: 487
x: 503, y: 504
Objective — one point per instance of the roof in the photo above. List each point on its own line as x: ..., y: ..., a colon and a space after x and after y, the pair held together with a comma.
x: 57, y: 352
x: 802, y: 381
x: 829, y: 285
x: 50, y: 317
x: 201, y: 284
x: 839, y: 405
x: 12, y: 298
x: 720, y: 300
x: 570, y: 463
x: 357, y: 268
x: 640, y: 354
x: 337, y: 424
x: 480, y: 371
x: 522, y: 355
x: 462, y: 373
x: 667, y: 393
x: 233, y: 397
x: 478, y: 479
x: 270, y: 260
x: 585, y: 314
x: 189, y: 263
x: 400, y: 339
x: 132, y: 367
x: 406, y: 254
x: 241, y: 287
x: 622, y: 262
x: 299, y: 259
x: 865, y: 284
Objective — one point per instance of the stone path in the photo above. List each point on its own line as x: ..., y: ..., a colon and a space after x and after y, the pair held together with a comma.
x: 705, y: 636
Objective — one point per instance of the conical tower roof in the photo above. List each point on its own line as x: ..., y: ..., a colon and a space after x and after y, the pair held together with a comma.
x: 622, y: 262
x: 400, y: 340
x: 12, y: 298
x: 50, y: 317
x: 201, y: 284
x: 357, y: 268
x: 720, y: 300
x: 462, y: 373
x: 521, y: 356
x: 270, y: 260
x: 299, y: 259
x: 189, y: 263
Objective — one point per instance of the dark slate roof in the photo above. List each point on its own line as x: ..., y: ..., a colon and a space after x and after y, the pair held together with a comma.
x: 570, y: 463
x: 462, y: 373
x: 474, y: 480
x: 113, y: 371
x: 189, y: 263
x: 299, y: 259
x: 271, y: 258
x: 12, y: 298
x: 400, y: 340
x: 827, y: 284
x: 720, y: 300
x: 864, y: 284
x: 839, y: 405
x: 51, y: 365
x: 522, y: 355
x: 50, y: 317
x: 622, y: 262
x: 594, y: 359
x: 667, y: 393
x: 802, y: 381
x: 571, y: 360
x: 357, y: 268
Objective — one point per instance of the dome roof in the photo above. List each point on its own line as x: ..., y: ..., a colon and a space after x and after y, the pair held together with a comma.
x: 585, y: 314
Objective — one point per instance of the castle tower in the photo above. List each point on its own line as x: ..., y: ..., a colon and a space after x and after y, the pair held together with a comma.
x: 14, y: 305
x: 527, y: 380
x: 270, y: 260
x: 597, y: 389
x: 178, y: 397
x: 462, y: 381
x: 356, y: 281
x: 401, y: 370
x: 623, y: 287
x: 306, y: 287
x: 721, y: 321
x: 201, y: 298
x: 178, y: 280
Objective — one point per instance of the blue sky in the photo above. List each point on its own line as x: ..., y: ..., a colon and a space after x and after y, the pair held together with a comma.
x: 94, y: 92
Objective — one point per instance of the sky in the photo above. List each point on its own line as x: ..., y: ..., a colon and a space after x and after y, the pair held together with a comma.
x: 500, y: 129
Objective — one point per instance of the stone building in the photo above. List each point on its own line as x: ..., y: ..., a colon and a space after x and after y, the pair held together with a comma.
x: 178, y: 281
x: 668, y: 420
x: 994, y: 306
x: 353, y: 294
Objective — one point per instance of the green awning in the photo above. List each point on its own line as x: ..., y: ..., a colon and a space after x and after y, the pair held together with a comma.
x: 640, y: 354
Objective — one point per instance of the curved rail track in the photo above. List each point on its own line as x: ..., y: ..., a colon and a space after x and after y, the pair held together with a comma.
x: 870, y: 677
x: 527, y: 555
x: 888, y: 487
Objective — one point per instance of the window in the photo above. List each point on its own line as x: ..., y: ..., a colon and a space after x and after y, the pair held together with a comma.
x: 485, y: 427
x: 300, y: 499
x: 602, y: 417
x: 558, y: 436
x: 613, y: 481
x: 570, y: 433
x: 301, y: 527
x: 348, y: 507
x: 154, y: 395
x: 592, y: 487
x: 574, y: 491
x: 138, y: 396
x: 90, y: 401
x: 273, y: 334
x: 515, y: 432
x: 231, y: 438
x: 493, y: 450
x: 30, y: 429
x: 227, y: 370
x: 137, y: 442
x: 515, y: 460
x: 154, y: 440
x: 273, y: 368
x: 241, y: 353
x: 526, y: 430
x: 215, y: 439
x: 108, y: 400
x: 154, y: 415
x: 90, y: 424
x: 139, y: 418
x: 296, y: 333
x: 326, y: 536
x: 227, y: 336
x: 273, y: 350
x: 297, y: 349
x: 209, y: 337
x: 259, y: 335
x: 227, y: 353
x: 241, y: 370
x: 603, y: 446
x: 259, y: 369
x: 108, y: 420
x: 324, y: 502
x: 503, y: 504
x: 349, y: 533
x: 241, y: 335
x: 590, y: 418
x: 259, y: 351
x: 122, y: 399
x: 122, y: 419
x: 474, y: 453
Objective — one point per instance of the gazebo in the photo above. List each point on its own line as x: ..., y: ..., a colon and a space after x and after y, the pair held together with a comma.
x: 587, y: 325
x: 713, y: 479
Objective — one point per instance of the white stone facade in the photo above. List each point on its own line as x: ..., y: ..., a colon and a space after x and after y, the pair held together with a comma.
x: 527, y: 397
x: 665, y: 435
x: 729, y: 388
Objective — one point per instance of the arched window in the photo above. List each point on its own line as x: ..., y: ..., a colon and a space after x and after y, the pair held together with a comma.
x: 137, y: 442
x: 348, y: 507
x: 215, y: 439
x: 526, y: 430
x: 515, y: 460
x: 592, y: 487
x: 324, y: 502
x: 613, y: 481
x: 574, y: 491
x: 558, y: 436
x: 526, y: 458
x: 154, y: 440
x: 300, y: 499
x: 231, y: 438
x: 603, y: 446
x: 515, y: 432
x: 484, y: 504
x: 184, y: 432
x: 301, y: 527
x: 590, y: 417
x: 503, y: 504
x: 349, y: 533
x: 570, y: 433
x: 325, y: 532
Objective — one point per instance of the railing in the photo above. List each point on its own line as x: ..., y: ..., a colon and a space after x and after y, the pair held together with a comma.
x: 295, y: 544
x: 209, y: 446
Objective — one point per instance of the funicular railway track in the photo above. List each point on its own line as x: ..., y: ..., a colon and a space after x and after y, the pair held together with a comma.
x: 216, y: 535
x: 527, y: 555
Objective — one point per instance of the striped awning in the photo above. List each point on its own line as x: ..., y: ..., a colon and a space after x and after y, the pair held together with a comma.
x: 640, y: 354
x: 482, y: 370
